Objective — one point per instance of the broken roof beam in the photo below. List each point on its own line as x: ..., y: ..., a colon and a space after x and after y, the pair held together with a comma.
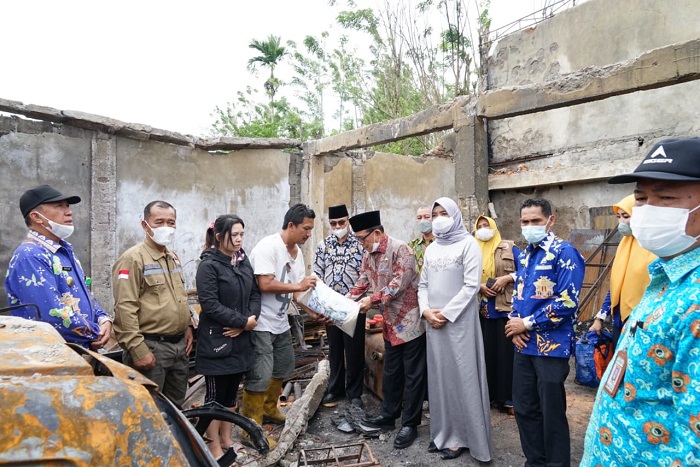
x: 227, y: 143
x: 435, y: 118
x: 657, y: 68
x: 140, y: 131
x: 94, y: 122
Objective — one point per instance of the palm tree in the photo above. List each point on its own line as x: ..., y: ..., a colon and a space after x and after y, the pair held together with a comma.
x: 271, y: 53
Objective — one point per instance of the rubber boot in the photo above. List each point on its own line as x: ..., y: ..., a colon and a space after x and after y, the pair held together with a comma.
x: 271, y: 414
x: 253, y: 408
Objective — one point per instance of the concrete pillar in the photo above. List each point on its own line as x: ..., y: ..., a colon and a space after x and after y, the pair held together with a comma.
x: 359, y: 186
x: 312, y: 189
x: 103, y: 215
x: 471, y: 165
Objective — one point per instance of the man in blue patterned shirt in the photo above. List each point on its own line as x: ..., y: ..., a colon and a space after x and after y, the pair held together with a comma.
x: 45, y: 271
x: 337, y: 264
x: 647, y: 411
x: 545, y: 301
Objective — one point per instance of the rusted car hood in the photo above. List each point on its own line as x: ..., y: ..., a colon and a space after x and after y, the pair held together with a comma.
x: 66, y: 405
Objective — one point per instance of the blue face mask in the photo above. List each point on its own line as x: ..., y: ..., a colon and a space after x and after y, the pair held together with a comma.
x: 425, y: 226
x: 624, y: 229
x: 534, y: 233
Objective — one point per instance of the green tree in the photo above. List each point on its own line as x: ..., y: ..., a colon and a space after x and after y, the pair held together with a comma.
x: 271, y: 53
x: 311, y: 77
x: 279, y: 119
x: 412, y: 65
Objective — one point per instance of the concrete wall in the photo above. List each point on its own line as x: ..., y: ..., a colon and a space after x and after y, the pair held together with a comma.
x: 33, y: 153
x: 117, y: 176
x: 398, y: 185
x: 255, y: 184
x: 547, y: 153
x: 571, y: 204
x: 594, y: 33
x: 393, y: 184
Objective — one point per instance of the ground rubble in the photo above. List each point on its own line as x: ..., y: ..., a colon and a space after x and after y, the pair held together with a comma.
x: 311, y: 430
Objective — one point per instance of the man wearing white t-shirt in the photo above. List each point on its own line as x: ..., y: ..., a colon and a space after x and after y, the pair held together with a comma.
x: 279, y: 268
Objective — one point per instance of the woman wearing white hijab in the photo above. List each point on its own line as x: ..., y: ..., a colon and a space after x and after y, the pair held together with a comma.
x: 448, y: 298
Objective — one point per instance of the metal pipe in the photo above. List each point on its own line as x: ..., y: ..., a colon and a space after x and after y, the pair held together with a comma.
x: 297, y: 390
x: 285, y: 392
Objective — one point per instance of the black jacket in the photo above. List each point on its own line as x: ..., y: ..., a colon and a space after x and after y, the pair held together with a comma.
x: 228, y: 295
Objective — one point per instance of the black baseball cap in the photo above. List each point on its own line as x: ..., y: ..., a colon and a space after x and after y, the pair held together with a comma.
x: 40, y: 195
x: 675, y: 159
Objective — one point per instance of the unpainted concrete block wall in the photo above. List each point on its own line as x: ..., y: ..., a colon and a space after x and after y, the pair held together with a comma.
x: 548, y: 153
x: 254, y: 184
x: 393, y: 184
x: 34, y: 153
x: 117, y: 176
x: 124, y: 175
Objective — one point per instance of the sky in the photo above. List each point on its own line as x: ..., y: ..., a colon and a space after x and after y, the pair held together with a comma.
x: 167, y: 64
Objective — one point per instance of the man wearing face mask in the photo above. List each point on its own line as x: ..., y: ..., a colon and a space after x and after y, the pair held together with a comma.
x: 425, y: 227
x: 44, y: 270
x: 647, y: 402
x: 389, y: 270
x: 152, y: 317
x: 337, y: 263
x: 545, y: 303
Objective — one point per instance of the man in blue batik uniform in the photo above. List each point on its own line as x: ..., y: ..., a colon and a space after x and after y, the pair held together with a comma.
x: 545, y: 301
x: 647, y: 411
x: 45, y: 271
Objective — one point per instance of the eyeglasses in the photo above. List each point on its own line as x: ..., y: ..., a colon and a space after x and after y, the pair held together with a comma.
x: 362, y: 239
x: 339, y: 223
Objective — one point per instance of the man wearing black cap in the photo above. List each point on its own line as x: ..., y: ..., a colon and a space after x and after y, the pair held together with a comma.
x: 389, y: 269
x: 337, y: 263
x: 45, y: 271
x: 647, y: 403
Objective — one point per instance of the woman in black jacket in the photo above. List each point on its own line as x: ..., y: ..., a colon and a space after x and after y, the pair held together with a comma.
x: 230, y: 301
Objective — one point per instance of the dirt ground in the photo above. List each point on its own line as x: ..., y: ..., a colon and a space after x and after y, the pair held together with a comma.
x: 506, y: 441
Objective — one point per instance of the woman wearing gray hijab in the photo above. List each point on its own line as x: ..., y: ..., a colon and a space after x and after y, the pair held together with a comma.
x: 460, y: 418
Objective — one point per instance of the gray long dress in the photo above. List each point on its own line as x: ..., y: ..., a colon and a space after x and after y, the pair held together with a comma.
x: 459, y: 396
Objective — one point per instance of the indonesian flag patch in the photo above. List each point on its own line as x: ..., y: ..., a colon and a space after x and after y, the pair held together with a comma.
x: 123, y: 274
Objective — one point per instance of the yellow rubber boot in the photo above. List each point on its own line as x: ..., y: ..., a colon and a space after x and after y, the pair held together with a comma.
x: 271, y: 414
x: 253, y: 408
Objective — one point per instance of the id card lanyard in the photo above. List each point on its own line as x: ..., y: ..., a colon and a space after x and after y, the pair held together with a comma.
x: 619, y: 363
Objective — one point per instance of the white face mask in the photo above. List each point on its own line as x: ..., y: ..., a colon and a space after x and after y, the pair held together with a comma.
x: 163, y: 236
x: 484, y: 234
x: 661, y: 230
x: 375, y: 246
x: 340, y: 233
x: 534, y: 233
x: 425, y: 226
x: 442, y: 224
x: 624, y: 229
x: 60, y: 230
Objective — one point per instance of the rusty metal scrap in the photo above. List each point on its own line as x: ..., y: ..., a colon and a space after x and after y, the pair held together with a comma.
x: 60, y: 403
x: 348, y: 455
